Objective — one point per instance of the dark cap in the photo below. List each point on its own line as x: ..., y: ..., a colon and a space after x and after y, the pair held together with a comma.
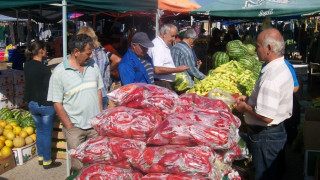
x: 142, y: 39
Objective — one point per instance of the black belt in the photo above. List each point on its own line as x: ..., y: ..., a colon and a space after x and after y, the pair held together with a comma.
x: 257, y: 128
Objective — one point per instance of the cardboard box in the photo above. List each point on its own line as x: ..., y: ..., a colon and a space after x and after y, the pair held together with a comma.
x: 311, y: 129
x: 6, y: 79
x: 18, y: 89
x: 17, y: 75
x: 18, y: 102
x: 7, y: 103
x: 6, y: 92
x: 7, y: 163
x: 25, y: 153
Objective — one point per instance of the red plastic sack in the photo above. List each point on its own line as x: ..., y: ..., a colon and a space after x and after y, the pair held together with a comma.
x: 126, y: 123
x: 145, y: 96
x: 180, y: 160
x: 196, y: 128
x: 104, y: 171
x: 164, y: 176
x: 203, y: 102
x: 114, y: 151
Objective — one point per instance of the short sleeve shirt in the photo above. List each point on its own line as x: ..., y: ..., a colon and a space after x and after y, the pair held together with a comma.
x: 161, y: 56
x: 76, y: 91
x: 272, y: 94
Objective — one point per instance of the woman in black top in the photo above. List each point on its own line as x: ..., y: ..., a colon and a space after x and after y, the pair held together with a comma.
x: 37, y: 76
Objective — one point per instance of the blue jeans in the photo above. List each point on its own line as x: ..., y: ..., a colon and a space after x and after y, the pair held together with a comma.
x: 266, y: 145
x: 43, y: 117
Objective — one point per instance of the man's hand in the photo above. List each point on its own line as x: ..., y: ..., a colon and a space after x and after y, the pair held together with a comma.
x: 199, y: 63
x: 241, y: 105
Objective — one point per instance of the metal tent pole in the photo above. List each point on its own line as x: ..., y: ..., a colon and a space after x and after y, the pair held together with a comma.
x: 64, y: 28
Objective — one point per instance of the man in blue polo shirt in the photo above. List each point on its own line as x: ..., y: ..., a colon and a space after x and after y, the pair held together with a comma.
x: 75, y: 89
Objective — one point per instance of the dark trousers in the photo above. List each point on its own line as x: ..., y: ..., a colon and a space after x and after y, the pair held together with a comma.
x: 165, y: 84
x: 266, y: 145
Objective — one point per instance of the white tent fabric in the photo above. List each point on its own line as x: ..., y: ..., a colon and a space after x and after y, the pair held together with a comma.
x: 7, y: 18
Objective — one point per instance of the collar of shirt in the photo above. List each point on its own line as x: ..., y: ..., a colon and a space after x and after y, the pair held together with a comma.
x: 182, y: 42
x: 66, y: 64
x: 271, y: 64
x: 161, y: 40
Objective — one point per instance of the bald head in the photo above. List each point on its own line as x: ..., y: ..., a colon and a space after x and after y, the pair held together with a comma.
x: 273, y: 39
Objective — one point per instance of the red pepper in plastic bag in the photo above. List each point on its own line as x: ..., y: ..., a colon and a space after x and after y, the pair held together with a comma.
x: 142, y: 96
x: 126, y: 122
x: 191, y: 128
x: 164, y: 176
x: 180, y: 160
x: 107, y: 150
x: 104, y: 171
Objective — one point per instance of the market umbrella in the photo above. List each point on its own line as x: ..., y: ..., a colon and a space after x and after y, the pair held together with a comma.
x: 258, y: 8
x: 74, y: 15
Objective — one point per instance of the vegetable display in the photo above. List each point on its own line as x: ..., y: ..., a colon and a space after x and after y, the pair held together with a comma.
x: 195, y: 138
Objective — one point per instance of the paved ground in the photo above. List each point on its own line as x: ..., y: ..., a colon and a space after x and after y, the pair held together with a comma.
x: 31, y: 170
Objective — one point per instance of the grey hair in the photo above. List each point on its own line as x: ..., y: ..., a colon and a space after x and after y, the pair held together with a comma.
x: 278, y: 45
x: 165, y: 28
x: 190, y: 33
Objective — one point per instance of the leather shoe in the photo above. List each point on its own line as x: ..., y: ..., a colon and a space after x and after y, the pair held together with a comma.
x: 52, y: 165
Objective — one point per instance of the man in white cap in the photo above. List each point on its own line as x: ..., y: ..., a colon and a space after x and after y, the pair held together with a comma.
x: 136, y: 65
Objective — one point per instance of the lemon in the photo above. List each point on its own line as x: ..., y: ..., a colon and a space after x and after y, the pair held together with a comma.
x: 3, y: 123
x: 9, y: 143
x: 5, y: 132
x: 28, y: 140
x: 10, y: 136
x: 23, y: 134
x: 6, y: 151
x: 18, y: 142
x: 13, y: 124
x: 17, y: 130
x: 1, y: 130
x: 1, y: 144
x: 29, y: 130
x: 2, y: 138
x: 33, y: 136
x: 8, y: 126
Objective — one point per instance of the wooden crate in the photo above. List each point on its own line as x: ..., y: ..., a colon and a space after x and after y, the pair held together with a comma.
x: 57, y: 155
x: 58, y: 141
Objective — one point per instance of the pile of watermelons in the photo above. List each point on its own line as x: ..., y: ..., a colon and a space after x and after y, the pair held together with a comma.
x: 235, y: 50
x: 22, y: 118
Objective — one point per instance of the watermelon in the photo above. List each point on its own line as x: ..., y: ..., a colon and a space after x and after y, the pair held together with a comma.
x: 27, y: 122
x: 13, y: 120
x: 220, y: 58
x: 247, y: 62
x: 251, y: 49
x: 235, y: 49
x: 16, y: 114
x: 6, y: 114
x: 26, y: 114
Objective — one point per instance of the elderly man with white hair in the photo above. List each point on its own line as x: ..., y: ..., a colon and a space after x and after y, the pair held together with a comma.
x: 269, y: 105
x: 164, y: 68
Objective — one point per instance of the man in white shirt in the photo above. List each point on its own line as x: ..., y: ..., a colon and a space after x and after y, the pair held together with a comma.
x: 164, y: 68
x: 268, y: 106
